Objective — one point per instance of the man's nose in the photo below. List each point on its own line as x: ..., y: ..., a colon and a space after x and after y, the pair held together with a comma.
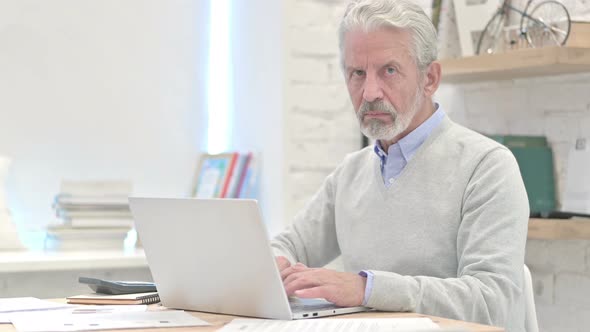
x: 372, y: 90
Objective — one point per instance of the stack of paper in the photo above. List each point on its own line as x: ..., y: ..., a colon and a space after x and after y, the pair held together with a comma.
x: 10, y: 306
x: 29, y: 314
x: 45, y: 322
x: 93, y: 214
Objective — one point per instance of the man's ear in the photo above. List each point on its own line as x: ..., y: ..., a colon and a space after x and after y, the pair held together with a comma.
x: 432, y: 78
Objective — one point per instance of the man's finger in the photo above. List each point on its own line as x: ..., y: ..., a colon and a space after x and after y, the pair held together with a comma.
x: 300, y: 281
x: 315, y: 292
x: 296, y: 272
x: 293, y: 269
x: 282, y: 263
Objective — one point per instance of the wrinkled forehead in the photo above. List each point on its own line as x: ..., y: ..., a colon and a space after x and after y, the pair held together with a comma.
x: 381, y: 44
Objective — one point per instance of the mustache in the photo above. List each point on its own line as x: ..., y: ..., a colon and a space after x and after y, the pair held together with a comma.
x: 376, y: 106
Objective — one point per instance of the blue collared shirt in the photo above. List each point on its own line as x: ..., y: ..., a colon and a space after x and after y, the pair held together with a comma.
x: 399, y: 154
x: 397, y: 157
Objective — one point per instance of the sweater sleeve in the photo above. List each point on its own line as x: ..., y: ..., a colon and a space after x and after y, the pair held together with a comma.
x: 311, y: 239
x: 490, y: 254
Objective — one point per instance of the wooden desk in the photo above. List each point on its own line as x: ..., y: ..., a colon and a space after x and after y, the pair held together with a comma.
x: 218, y: 321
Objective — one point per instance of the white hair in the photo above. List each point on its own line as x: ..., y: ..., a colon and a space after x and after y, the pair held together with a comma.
x: 405, y: 14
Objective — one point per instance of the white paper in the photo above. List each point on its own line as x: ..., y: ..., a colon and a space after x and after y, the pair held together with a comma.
x: 104, y: 309
x: 27, y: 304
x: 328, y: 325
x: 81, y: 309
x: 10, y: 306
x: 576, y: 197
x: 54, y: 322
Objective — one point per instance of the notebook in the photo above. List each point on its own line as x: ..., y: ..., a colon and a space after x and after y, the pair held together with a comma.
x: 95, y: 298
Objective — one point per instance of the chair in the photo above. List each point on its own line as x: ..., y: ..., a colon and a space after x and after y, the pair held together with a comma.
x: 530, y: 321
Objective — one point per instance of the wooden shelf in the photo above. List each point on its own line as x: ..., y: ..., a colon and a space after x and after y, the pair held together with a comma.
x: 559, y: 229
x: 31, y: 261
x: 529, y: 62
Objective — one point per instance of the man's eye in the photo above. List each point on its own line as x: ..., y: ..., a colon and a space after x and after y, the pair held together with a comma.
x: 358, y: 72
x: 390, y: 70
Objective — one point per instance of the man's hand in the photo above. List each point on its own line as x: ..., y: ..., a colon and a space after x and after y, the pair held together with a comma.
x: 282, y: 263
x: 341, y: 288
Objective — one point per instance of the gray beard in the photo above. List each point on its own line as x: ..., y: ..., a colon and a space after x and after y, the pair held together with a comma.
x: 378, y: 130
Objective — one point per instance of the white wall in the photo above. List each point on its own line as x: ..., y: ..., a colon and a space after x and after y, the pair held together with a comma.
x: 257, y: 92
x: 100, y: 89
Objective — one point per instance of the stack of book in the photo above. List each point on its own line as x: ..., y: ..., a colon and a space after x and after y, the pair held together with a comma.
x: 227, y: 175
x: 92, y: 215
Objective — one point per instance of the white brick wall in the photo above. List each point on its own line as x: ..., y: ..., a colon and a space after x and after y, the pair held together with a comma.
x: 320, y: 128
x: 320, y: 125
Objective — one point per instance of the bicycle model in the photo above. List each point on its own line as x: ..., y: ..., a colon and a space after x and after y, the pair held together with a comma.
x: 547, y: 23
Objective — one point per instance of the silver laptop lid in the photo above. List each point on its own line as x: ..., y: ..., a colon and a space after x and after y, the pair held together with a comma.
x: 210, y: 255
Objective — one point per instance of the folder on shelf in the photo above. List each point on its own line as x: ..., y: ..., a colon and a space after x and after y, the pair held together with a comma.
x: 95, y: 298
x: 535, y: 160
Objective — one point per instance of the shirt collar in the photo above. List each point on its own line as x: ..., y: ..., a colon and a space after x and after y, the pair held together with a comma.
x: 409, y: 144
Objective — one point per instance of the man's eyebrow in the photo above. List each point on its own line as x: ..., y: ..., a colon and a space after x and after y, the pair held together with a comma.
x: 349, y: 68
x: 392, y: 63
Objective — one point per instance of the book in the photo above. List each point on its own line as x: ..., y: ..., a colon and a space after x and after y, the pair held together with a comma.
x: 64, y: 232
x: 90, y: 207
x: 538, y: 174
x: 227, y: 175
x: 515, y: 141
x: 228, y: 178
x: 100, y: 222
x: 53, y: 244
x: 91, y: 200
x: 212, y: 175
x: 249, y: 186
x: 95, y: 298
x: 59, y: 237
x: 96, y: 188
x: 71, y: 214
x: 235, y: 177
x: 242, y: 175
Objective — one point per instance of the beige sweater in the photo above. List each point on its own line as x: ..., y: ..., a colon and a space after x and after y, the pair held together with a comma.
x: 446, y: 239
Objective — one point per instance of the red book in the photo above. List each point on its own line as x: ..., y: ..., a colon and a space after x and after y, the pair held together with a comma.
x: 243, y: 175
x: 230, y: 171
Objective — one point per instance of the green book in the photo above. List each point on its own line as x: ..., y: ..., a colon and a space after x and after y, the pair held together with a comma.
x: 514, y: 141
x: 536, y: 167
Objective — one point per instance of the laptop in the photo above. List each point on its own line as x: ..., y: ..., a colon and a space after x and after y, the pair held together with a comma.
x: 214, y: 255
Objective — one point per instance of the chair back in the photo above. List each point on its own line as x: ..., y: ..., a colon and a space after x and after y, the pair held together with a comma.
x: 530, y: 323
